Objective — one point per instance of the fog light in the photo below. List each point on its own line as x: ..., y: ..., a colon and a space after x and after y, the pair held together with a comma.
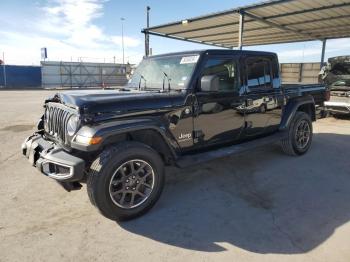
x: 56, y: 171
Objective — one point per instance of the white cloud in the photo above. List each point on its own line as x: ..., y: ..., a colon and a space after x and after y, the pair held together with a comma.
x: 69, y: 31
x: 299, y: 52
x: 25, y: 49
x: 334, y: 45
x: 73, y: 21
x: 128, y: 41
x: 311, y: 51
x: 76, y: 13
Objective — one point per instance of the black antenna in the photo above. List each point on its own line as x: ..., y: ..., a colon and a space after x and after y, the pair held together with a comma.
x: 169, y: 79
x: 165, y: 76
x: 140, y: 81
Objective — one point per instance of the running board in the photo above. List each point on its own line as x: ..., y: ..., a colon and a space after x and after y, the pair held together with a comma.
x: 189, y: 160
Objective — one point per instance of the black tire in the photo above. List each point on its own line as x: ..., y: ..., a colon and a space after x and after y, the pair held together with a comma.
x: 335, y: 115
x: 324, y: 114
x: 290, y: 144
x: 103, y: 170
x: 263, y: 108
x: 341, y: 116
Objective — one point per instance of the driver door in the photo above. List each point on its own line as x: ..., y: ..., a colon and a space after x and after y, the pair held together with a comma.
x: 217, y: 118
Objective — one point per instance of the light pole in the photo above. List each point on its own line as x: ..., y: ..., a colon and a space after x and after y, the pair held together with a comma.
x: 146, y: 33
x: 123, y: 19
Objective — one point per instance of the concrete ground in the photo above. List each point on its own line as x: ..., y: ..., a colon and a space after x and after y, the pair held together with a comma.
x: 258, y: 206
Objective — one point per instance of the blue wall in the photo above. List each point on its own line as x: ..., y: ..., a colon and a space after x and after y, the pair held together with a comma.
x: 21, y: 76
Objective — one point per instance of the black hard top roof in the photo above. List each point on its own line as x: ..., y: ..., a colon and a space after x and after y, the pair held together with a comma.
x: 217, y: 52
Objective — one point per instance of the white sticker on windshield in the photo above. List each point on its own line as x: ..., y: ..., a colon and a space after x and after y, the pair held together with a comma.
x: 189, y: 59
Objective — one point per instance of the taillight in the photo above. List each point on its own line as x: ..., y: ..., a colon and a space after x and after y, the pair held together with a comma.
x: 327, y: 95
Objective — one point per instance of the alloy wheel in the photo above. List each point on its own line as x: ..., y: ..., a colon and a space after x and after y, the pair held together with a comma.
x: 302, y: 135
x: 132, y: 184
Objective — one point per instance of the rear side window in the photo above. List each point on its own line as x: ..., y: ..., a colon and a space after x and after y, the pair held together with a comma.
x: 225, y: 69
x: 258, y: 73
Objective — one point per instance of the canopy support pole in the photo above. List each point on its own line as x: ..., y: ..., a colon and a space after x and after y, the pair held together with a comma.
x: 323, y: 51
x: 240, y: 32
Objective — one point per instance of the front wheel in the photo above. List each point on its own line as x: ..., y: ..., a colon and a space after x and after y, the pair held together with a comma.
x: 126, y: 180
x: 299, y: 137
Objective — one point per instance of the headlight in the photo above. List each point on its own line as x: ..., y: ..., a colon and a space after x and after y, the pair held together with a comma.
x: 72, y: 125
x: 46, y: 119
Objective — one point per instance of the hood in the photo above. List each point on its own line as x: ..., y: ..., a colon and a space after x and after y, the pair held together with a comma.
x: 118, y: 102
x: 340, y: 83
x: 336, y: 74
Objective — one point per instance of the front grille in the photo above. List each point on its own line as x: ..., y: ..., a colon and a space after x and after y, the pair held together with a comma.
x: 341, y: 99
x: 340, y: 93
x: 56, y: 118
x: 339, y: 109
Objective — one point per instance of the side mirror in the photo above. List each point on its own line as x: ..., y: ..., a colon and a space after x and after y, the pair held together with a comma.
x: 210, y: 83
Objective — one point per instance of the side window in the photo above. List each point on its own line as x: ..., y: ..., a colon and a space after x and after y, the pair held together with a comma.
x: 225, y: 69
x: 258, y: 73
x: 276, y: 81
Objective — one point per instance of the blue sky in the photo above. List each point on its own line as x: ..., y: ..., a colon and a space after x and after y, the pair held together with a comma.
x: 90, y: 30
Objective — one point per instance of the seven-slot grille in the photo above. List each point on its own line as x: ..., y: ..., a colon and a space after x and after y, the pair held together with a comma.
x: 56, y: 119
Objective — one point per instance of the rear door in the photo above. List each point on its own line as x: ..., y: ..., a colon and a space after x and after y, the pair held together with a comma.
x: 216, y: 119
x: 263, y: 95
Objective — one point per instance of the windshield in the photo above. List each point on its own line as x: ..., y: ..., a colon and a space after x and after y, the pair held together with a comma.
x: 153, y: 73
x: 341, y: 69
x: 341, y: 75
x: 342, y: 83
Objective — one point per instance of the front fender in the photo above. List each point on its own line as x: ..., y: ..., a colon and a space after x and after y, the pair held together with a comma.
x: 292, y: 107
x: 108, y: 130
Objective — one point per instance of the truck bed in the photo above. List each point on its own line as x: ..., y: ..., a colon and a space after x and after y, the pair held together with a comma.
x: 318, y: 91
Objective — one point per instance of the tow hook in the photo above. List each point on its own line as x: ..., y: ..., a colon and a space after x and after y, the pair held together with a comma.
x: 70, y: 186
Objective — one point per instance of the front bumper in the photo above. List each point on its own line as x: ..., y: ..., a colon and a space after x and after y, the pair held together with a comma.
x: 337, y: 107
x: 52, y: 160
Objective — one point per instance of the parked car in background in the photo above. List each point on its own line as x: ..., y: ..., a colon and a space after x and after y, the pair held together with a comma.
x: 336, y: 75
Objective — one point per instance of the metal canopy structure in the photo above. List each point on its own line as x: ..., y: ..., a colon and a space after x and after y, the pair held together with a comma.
x: 278, y: 21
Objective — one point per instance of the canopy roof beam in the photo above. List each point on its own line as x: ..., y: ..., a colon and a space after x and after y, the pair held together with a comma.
x: 267, y: 27
x: 230, y: 11
x: 231, y: 35
x: 265, y: 18
x: 299, y: 12
x: 282, y: 27
x: 183, y: 39
x: 271, y: 22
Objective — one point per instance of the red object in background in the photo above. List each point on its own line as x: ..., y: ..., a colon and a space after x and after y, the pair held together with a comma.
x: 1, y: 62
x: 328, y: 95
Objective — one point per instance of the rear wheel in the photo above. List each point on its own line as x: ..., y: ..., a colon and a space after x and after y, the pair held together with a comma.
x: 299, y: 138
x: 125, y: 181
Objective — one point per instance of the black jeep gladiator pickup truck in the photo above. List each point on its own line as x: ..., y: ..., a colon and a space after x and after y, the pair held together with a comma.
x: 177, y: 109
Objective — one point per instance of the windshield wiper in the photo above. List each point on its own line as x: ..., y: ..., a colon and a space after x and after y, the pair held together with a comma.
x: 169, y: 79
x: 142, y: 77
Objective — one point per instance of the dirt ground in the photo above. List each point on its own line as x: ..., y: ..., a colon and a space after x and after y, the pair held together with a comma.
x: 258, y: 206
